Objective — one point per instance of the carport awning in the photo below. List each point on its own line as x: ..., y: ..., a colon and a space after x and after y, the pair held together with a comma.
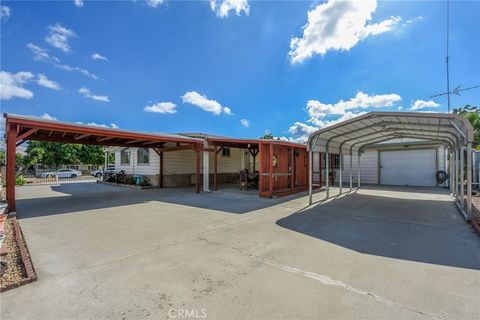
x: 350, y: 137
x: 28, y: 128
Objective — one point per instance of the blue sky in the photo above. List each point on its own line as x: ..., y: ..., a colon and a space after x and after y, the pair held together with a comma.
x: 233, y: 67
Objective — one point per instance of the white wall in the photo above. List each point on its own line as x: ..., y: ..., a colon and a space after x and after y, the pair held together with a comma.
x: 178, y: 162
x: 369, y: 165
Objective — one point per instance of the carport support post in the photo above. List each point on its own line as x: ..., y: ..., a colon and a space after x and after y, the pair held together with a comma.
x: 197, y: 169
x: 340, y: 164
x: 310, y: 174
x: 11, y: 165
x: 462, y: 178
x: 469, y: 180
x: 358, y: 170
x: 327, y: 178
x: 351, y: 173
x: 161, y: 169
x: 457, y: 185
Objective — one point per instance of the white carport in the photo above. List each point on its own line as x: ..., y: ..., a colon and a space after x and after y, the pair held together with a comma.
x: 351, y: 137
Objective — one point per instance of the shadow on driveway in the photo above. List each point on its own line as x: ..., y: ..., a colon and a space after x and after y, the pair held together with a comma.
x: 422, y: 230
x: 34, y: 201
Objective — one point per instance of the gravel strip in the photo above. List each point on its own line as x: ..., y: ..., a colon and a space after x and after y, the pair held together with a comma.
x: 15, y: 271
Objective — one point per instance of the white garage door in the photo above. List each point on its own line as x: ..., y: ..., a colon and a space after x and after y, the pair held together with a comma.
x: 408, y: 167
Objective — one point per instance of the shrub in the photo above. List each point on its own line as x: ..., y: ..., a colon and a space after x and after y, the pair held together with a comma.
x: 20, y: 180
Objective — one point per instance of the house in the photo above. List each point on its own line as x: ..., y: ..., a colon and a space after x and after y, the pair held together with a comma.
x: 223, y: 158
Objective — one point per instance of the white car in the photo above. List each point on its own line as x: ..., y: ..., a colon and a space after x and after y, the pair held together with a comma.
x: 99, y: 173
x: 62, y: 173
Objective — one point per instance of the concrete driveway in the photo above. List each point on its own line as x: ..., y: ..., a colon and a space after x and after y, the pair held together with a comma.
x: 105, y: 252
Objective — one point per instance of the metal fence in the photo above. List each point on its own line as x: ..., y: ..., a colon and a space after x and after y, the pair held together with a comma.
x: 52, y: 180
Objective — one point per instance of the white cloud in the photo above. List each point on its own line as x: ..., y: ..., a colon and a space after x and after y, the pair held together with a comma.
x: 161, y: 107
x: 87, y: 94
x: 5, y: 13
x: 422, y: 104
x: 154, y: 3
x: 322, y: 115
x: 100, y: 125
x: 222, y: 8
x: 46, y: 116
x: 45, y: 82
x: 301, y: 129
x: 59, y: 36
x: 204, y: 103
x: 78, y: 3
x: 11, y: 85
x: 317, y: 111
x: 245, y: 123
x: 41, y: 54
x: 98, y: 56
x: 227, y: 111
x: 337, y: 25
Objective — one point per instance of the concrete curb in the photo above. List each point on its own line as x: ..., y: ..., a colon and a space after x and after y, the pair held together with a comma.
x: 25, y: 255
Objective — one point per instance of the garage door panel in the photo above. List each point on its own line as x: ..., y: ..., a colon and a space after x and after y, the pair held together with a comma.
x: 408, y: 167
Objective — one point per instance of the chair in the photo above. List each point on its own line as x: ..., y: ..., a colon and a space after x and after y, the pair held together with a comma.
x: 245, y: 182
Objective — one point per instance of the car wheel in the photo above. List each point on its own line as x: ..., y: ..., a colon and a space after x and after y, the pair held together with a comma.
x: 73, y: 176
x: 98, y: 175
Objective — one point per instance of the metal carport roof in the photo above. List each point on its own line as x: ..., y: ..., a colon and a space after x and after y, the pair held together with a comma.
x: 352, y: 136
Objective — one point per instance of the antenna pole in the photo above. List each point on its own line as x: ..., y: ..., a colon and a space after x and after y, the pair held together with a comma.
x: 448, y: 71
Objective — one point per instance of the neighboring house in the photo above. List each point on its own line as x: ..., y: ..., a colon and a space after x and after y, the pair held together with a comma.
x: 403, y: 162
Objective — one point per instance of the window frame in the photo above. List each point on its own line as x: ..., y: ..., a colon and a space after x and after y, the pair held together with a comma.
x: 129, y: 153
x: 138, y: 157
x: 226, y: 152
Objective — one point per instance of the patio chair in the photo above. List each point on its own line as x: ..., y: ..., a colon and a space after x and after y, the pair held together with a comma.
x: 245, y: 182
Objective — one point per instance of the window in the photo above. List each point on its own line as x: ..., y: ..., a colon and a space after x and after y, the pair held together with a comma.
x: 124, y: 157
x: 333, y: 158
x: 226, y: 152
x: 143, y: 156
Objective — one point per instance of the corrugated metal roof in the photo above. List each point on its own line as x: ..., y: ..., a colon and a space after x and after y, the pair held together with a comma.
x: 353, y: 135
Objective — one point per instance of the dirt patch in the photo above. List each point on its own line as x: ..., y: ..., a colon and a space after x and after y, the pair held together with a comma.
x: 15, y: 271
x: 18, y: 266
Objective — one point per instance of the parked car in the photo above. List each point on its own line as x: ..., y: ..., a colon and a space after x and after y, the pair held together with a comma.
x: 99, y: 173
x: 62, y: 173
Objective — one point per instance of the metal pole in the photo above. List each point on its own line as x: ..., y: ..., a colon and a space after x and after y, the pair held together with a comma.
x: 310, y: 173
x: 462, y: 177
x: 351, y: 173
x: 358, y: 185
x: 340, y: 164
x: 451, y: 171
x: 327, y: 182
x: 469, y: 180
x: 457, y: 185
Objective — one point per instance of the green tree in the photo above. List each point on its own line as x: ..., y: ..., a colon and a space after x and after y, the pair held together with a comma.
x: 94, y: 155
x: 472, y: 113
x: 52, y: 153
x: 267, y: 136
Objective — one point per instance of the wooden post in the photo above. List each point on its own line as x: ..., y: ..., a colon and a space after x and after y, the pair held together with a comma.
x: 11, y: 166
x: 270, y: 161
x: 292, y: 158
x: 260, y: 177
x: 161, y: 169
x: 197, y: 170
x: 215, y: 168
